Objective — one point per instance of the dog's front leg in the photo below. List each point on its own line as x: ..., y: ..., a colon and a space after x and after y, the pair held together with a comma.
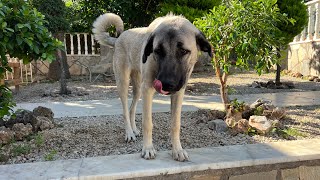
x: 148, y: 151
x: 178, y: 153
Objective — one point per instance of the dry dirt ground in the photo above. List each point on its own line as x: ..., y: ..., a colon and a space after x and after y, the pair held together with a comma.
x: 104, y: 135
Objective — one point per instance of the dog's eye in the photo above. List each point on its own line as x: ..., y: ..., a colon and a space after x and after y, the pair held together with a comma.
x: 184, y: 51
x: 159, y: 51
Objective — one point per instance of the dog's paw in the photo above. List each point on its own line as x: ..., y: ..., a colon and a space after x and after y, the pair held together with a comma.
x: 180, y: 155
x: 148, y: 153
x: 136, y: 132
x: 130, y: 137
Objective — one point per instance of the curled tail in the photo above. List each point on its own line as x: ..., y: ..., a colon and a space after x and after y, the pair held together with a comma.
x: 102, y: 23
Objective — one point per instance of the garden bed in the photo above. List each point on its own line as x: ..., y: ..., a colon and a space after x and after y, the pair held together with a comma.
x: 104, y: 135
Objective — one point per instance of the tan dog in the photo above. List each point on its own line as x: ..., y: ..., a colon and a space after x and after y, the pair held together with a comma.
x: 160, y: 58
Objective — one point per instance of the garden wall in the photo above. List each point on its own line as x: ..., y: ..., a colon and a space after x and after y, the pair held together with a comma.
x: 304, y: 58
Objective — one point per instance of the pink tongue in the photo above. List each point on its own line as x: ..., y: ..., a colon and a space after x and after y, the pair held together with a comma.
x: 158, y: 86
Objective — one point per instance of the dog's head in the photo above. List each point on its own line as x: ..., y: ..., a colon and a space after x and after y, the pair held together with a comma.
x: 174, y: 45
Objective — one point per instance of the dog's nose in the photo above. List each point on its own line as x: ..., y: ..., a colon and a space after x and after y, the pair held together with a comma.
x: 168, y: 85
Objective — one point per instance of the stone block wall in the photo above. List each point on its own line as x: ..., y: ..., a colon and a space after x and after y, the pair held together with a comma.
x: 304, y: 58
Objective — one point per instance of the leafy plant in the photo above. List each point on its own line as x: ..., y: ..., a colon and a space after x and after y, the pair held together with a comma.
x: 39, y: 140
x: 20, y: 149
x: 258, y: 111
x: 6, y: 103
x: 50, y: 155
x: 191, y: 9
x: 23, y: 36
x: 297, y: 12
x: 238, y: 106
x: 242, y: 33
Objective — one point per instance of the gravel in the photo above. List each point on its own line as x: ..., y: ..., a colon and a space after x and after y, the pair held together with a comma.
x: 104, y: 135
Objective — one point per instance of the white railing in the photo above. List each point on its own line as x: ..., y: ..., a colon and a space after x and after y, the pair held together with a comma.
x: 26, y: 72
x: 311, y: 32
x: 81, y: 44
x: 76, y: 44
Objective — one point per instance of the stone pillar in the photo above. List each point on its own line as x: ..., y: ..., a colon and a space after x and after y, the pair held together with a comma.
x: 106, y: 55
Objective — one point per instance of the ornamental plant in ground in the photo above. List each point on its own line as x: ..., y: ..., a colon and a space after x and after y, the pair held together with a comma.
x: 24, y: 36
x: 242, y: 33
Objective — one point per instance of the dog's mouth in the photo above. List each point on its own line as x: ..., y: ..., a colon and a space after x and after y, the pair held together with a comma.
x: 157, y: 84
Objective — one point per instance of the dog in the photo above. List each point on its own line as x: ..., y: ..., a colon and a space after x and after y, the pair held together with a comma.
x: 159, y: 58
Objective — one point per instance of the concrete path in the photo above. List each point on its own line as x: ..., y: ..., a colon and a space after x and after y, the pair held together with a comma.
x: 202, y: 159
x: 162, y: 104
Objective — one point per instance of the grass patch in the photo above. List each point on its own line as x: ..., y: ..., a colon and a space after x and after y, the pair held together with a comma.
x: 286, y: 133
x: 20, y: 149
x: 50, y: 155
x: 39, y: 140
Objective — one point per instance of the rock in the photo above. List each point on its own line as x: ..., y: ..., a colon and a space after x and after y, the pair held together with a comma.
x: 268, y: 106
x: 247, y: 113
x: 316, y: 80
x: 297, y: 75
x: 231, y: 122
x: 43, y: 111
x: 242, y: 126
x: 216, y: 114
x: 276, y: 123
x: 21, y: 130
x: 44, y: 123
x: 260, y: 123
x: 258, y: 103
x: 290, y: 85
x: 255, y: 84
x: 271, y: 85
x: 311, y: 78
x: 218, y: 125
x: 278, y: 113
x: 22, y: 116
x: 6, y: 135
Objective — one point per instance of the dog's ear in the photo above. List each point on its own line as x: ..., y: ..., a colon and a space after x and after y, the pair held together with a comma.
x: 203, y: 43
x: 148, y: 49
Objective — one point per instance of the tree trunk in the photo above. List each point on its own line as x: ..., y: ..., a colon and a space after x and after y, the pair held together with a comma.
x: 61, y: 62
x: 278, y: 75
x: 224, y: 95
x: 223, y: 83
x: 61, y: 57
x: 278, y: 68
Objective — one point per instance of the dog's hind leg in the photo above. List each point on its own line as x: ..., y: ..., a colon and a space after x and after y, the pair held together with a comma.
x: 122, y: 79
x: 136, y: 86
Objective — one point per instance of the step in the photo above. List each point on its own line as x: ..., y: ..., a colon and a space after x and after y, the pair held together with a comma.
x: 238, y: 162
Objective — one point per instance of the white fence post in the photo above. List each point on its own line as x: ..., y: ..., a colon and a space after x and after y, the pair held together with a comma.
x: 310, y: 23
x: 316, y: 28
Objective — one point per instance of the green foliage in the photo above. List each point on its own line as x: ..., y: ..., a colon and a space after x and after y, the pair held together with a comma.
x: 50, y: 155
x: 135, y: 13
x: 289, y: 132
x: 20, y: 149
x: 54, y: 12
x: 247, y: 29
x: 6, y: 103
x: 238, y: 106
x: 39, y: 140
x: 191, y: 9
x: 24, y: 36
x: 258, y: 111
x: 297, y: 11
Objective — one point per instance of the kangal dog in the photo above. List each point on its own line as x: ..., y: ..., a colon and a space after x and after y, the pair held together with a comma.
x: 159, y: 58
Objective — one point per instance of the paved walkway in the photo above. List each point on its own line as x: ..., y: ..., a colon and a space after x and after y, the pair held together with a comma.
x: 162, y: 104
